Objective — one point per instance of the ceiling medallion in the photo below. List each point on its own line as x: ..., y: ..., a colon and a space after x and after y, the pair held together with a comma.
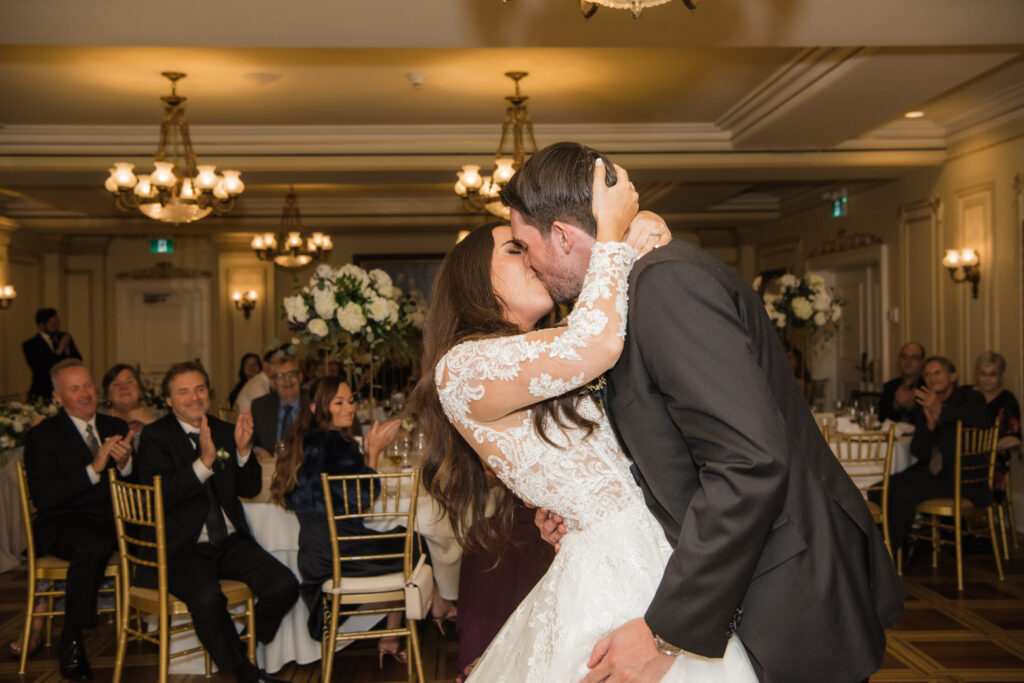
x: 178, y: 190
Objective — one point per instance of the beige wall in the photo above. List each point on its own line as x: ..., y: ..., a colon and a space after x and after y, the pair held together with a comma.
x: 973, y: 201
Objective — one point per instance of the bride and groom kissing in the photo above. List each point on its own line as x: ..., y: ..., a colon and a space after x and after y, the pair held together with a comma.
x: 706, y: 530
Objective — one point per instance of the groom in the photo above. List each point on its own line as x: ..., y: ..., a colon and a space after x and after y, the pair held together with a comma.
x: 771, y: 538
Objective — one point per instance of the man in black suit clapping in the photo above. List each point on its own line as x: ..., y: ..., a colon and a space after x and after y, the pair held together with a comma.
x: 205, y: 464
x: 65, y: 459
x: 45, y: 350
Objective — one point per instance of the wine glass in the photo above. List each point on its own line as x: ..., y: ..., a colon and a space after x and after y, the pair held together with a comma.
x: 394, y: 452
x: 403, y: 449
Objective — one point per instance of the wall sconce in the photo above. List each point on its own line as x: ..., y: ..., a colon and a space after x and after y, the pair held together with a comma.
x: 7, y: 295
x: 245, y: 303
x: 963, y: 267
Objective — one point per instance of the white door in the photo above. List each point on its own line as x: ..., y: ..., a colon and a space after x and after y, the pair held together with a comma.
x: 162, y: 322
x: 853, y: 359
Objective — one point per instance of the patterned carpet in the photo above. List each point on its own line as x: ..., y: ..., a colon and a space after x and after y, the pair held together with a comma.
x: 946, y: 637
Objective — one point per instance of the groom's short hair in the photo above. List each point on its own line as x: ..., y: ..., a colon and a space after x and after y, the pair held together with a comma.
x: 555, y: 184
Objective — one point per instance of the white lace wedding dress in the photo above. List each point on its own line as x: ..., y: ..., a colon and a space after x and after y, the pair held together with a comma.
x: 612, y: 559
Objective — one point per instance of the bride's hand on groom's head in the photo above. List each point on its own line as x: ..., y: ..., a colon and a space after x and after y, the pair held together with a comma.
x: 551, y: 527
x: 613, y: 207
x: 647, y: 231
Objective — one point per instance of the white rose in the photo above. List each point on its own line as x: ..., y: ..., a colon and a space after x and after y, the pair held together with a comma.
x: 802, y: 308
x: 324, y: 303
x: 836, y: 312
x: 379, y: 308
x: 354, y: 272
x: 770, y: 299
x: 317, y: 327
x: 788, y: 280
x: 324, y: 271
x: 822, y: 302
x: 814, y: 281
x: 757, y: 283
x: 820, y: 319
x: 351, y: 318
x: 295, y: 308
x: 381, y: 281
x: 396, y: 292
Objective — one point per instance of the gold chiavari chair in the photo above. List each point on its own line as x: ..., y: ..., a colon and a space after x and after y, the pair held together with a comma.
x: 1006, y: 519
x: 139, y: 517
x: 975, y: 465
x: 49, y: 568
x: 867, y: 458
x: 365, y: 497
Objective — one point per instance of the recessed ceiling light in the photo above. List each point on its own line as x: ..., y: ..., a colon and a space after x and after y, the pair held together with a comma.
x: 914, y: 114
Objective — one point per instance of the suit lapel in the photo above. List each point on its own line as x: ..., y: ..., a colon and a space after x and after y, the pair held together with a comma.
x: 73, y: 438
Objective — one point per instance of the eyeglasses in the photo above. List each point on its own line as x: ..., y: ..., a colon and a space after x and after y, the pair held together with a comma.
x: 287, y: 375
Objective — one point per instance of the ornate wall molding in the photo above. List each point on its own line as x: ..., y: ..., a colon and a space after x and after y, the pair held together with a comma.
x: 165, y: 270
x: 844, y: 241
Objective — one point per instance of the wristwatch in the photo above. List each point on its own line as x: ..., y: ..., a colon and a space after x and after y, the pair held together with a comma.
x: 667, y: 648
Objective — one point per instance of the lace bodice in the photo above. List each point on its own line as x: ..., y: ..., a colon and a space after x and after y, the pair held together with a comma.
x: 487, y: 388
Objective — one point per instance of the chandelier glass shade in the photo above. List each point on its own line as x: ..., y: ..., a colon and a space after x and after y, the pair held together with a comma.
x: 290, y: 248
x: 480, y: 192
x: 589, y: 7
x: 178, y: 190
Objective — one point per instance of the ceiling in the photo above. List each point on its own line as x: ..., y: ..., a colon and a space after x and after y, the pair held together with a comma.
x: 727, y: 117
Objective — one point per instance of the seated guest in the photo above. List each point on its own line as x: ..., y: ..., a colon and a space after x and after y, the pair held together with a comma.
x: 46, y: 349
x: 123, y: 390
x: 206, y: 465
x: 491, y: 585
x: 316, y: 445
x: 989, y: 369
x: 274, y: 414
x: 940, y: 404
x: 247, y: 369
x: 898, y: 396
x: 66, y: 458
x: 258, y: 385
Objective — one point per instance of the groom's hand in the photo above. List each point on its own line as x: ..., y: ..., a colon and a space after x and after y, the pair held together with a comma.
x: 551, y: 527
x: 628, y: 654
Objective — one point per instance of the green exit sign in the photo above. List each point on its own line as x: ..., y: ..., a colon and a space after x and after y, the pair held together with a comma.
x: 161, y: 246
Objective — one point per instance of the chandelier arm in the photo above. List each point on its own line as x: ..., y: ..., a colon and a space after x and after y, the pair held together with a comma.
x: 505, y: 125
x: 186, y: 144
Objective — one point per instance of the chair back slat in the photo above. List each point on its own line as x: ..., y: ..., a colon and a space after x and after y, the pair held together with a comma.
x: 866, y: 457
x: 139, y: 520
x: 975, y: 454
x: 27, y: 513
x: 366, y: 497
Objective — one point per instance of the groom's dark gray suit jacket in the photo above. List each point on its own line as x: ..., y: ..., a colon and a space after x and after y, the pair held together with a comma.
x: 771, y: 537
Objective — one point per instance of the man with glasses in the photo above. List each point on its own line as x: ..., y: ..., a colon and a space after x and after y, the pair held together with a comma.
x: 274, y: 414
x: 898, y: 394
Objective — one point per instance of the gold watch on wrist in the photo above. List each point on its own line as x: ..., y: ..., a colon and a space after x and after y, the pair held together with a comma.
x: 666, y: 647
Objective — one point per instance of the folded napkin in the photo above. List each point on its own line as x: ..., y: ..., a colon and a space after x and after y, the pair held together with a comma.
x: 900, y: 429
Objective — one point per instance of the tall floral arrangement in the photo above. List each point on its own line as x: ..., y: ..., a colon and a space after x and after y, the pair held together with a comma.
x: 358, y: 317
x: 801, y: 308
x: 17, y: 418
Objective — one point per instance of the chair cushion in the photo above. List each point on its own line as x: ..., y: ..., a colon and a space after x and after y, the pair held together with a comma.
x: 944, y: 506
x: 876, y: 510
x: 366, y: 584
x: 148, y: 599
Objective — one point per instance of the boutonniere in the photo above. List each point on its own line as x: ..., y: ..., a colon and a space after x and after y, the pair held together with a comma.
x: 222, y: 459
x: 594, y: 386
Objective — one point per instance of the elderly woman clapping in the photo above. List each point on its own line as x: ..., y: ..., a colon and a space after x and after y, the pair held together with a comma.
x: 989, y: 370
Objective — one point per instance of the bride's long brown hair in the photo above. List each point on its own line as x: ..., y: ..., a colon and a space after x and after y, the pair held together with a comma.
x: 465, y: 306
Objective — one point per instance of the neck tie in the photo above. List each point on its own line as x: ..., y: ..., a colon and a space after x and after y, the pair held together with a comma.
x: 286, y: 421
x: 216, y: 529
x: 90, y: 439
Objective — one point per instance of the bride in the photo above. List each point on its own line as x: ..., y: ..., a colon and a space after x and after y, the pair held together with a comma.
x: 512, y: 397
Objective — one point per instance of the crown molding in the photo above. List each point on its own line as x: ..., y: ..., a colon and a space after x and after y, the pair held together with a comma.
x: 1005, y: 106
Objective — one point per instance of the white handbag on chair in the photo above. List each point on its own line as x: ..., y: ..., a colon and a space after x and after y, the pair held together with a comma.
x: 418, y: 590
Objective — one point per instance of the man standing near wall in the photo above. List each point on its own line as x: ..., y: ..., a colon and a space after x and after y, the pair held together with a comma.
x: 46, y: 349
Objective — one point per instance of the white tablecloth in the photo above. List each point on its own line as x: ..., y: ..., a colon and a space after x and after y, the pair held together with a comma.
x: 12, y: 528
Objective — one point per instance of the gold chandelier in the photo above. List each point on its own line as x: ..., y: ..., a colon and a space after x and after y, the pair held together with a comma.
x: 480, y: 193
x: 290, y: 247
x: 589, y: 7
x: 178, y: 190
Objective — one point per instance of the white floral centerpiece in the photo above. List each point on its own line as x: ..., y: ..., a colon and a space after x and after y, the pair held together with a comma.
x: 356, y: 316
x: 16, y: 419
x: 801, y: 307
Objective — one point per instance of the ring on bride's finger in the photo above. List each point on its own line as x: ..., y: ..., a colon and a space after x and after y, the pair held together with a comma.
x: 655, y: 233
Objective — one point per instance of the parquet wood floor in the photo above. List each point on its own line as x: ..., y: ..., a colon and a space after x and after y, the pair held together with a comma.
x: 947, y: 637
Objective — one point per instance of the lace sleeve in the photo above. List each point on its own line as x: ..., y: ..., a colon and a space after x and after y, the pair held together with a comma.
x: 527, y: 368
